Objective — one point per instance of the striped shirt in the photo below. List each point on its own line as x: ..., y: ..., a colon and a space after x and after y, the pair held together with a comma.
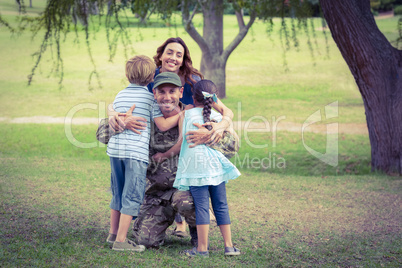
x: 129, y: 144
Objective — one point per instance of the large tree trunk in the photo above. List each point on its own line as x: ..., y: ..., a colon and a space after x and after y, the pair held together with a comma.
x: 213, y: 66
x: 377, y: 69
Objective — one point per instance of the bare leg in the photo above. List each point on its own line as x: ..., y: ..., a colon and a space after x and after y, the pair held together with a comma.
x: 202, y: 232
x: 181, y: 226
x: 226, y: 234
x: 124, y: 224
x: 114, y: 221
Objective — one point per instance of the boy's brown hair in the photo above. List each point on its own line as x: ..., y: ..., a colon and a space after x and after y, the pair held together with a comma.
x: 140, y: 70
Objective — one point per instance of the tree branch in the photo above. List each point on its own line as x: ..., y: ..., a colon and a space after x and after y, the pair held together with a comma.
x: 192, y: 15
x: 243, y: 30
x: 189, y: 27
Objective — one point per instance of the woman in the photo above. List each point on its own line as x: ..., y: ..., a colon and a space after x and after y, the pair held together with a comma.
x: 174, y: 56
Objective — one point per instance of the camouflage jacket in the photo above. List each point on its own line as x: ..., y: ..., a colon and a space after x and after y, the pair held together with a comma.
x: 160, y: 177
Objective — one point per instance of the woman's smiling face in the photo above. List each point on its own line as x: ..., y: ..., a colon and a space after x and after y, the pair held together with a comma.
x: 172, y: 58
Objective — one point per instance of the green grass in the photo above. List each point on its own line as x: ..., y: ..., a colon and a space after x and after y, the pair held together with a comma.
x: 54, y: 212
x: 283, y: 153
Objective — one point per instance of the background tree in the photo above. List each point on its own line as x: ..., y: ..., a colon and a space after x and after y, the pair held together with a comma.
x: 377, y: 68
x: 214, y: 55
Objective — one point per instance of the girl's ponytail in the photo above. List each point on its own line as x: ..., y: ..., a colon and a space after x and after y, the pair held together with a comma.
x: 206, y: 112
x: 204, y: 92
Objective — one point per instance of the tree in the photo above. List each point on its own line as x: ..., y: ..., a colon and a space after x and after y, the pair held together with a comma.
x: 214, y: 55
x: 377, y: 68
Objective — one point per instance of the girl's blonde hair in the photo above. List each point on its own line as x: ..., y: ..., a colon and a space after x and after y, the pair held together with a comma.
x: 140, y: 70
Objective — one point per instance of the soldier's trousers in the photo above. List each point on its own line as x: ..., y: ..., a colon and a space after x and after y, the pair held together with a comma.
x: 156, y: 215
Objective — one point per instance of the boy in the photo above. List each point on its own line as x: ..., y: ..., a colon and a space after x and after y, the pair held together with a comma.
x: 128, y: 151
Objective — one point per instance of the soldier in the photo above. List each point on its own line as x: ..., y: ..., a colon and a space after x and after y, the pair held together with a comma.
x: 162, y: 201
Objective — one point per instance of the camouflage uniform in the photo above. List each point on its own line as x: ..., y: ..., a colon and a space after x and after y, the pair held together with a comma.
x: 162, y: 201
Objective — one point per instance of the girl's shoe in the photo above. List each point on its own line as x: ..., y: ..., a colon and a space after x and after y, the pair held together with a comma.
x: 194, y: 253
x: 232, y: 251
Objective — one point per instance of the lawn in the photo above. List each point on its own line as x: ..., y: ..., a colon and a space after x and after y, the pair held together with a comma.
x: 54, y: 212
x: 288, y: 209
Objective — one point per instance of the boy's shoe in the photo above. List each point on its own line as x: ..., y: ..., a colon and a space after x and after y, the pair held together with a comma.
x: 194, y: 253
x: 111, y: 238
x: 180, y: 234
x: 127, y: 245
x: 232, y: 251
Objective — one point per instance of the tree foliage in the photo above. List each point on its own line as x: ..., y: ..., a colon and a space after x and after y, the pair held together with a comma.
x: 62, y: 17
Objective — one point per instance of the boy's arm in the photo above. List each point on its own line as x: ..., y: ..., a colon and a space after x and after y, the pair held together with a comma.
x: 175, y: 150
x: 165, y: 124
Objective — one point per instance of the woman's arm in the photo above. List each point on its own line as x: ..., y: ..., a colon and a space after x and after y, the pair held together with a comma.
x: 224, y: 124
x: 175, y: 150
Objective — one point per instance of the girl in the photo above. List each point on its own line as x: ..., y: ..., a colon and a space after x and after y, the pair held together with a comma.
x: 205, y: 171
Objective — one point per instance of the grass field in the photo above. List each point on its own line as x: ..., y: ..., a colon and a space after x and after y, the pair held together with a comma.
x: 54, y: 213
x: 288, y: 209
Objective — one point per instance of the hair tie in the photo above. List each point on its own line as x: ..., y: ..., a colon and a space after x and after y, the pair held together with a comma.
x: 210, y: 95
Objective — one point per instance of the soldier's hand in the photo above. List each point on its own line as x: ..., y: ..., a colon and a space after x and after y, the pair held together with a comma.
x: 202, y: 136
x: 116, y: 122
x: 216, y: 133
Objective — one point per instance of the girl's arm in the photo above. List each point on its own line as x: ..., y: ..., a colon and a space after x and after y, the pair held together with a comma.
x: 175, y: 150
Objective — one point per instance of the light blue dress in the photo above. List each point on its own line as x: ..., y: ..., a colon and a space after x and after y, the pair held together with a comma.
x: 201, y: 165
